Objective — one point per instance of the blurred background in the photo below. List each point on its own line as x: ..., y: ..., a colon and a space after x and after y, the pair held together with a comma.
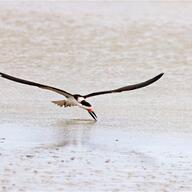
x: 83, y: 47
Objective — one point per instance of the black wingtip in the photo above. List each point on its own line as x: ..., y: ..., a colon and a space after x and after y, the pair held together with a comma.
x: 161, y: 74
x: 158, y: 76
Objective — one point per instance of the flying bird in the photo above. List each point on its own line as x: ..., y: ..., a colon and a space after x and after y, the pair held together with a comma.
x: 77, y: 99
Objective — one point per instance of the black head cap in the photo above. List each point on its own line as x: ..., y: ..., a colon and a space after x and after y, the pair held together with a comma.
x: 85, y: 103
x: 76, y: 96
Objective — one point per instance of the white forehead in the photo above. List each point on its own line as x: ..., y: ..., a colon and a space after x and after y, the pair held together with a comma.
x: 80, y: 99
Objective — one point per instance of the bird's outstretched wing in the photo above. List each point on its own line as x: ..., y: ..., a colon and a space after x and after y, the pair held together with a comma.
x: 127, y: 88
x: 59, y: 91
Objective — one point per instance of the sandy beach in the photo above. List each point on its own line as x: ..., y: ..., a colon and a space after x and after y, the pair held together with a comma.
x: 142, y: 139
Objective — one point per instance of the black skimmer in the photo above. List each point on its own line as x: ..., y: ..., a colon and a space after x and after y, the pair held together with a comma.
x: 77, y: 99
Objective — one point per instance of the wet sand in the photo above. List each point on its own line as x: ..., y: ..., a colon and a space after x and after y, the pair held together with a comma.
x: 142, y: 140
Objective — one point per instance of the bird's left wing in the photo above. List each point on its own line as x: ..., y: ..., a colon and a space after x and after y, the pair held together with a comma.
x: 127, y: 88
x: 59, y: 91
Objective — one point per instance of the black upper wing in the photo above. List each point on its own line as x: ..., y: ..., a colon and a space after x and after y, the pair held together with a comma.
x: 59, y: 91
x: 127, y: 88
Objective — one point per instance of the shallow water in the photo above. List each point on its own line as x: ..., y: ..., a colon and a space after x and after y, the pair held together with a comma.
x: 143, y: 136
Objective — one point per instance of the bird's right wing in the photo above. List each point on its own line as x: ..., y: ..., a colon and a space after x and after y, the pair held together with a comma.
x: 59, y: 91
x: 127, y: 88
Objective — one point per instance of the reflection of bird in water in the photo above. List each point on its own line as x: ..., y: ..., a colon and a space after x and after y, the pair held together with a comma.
x: 80, y: 100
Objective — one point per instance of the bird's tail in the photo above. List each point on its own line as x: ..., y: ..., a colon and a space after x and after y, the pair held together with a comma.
x: 63, y: 103
x: 60, y: 103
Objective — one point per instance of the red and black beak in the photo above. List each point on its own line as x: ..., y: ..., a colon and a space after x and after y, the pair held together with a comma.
x: 92, y: 113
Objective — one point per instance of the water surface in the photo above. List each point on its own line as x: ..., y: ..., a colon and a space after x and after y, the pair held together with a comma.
x: 142, y: 138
